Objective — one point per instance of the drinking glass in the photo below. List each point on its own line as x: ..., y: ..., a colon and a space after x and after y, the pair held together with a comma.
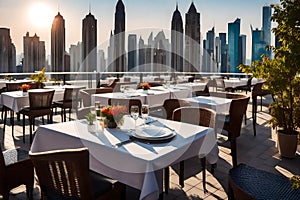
x: 134, y: 112
x: 122, y: 88
x: 145, y: 112
x: 98, y: 108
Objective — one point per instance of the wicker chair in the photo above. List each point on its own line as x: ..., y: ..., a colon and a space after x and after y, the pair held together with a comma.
x: 206, y: 117
x: 65, y: 174
x: 111, y: 85
x: 171, y: 104
x: 15, y: 173
x: 257, y: 91
x: 40, y: 104
x: 70, y: 100
x: 248, y: 183
x: 247, y: 87
x: 233, y: 123
x: 126, y: 102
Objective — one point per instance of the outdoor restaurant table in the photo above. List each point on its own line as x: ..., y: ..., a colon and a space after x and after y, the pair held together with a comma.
x: 218, y: 104
x: 3, y: 82
x: 153, y: 97
x: 175, y: 92
x: 136, y: 164
x: 235, y: 82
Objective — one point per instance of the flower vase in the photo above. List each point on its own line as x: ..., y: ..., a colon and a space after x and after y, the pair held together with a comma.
x: 24, y: 92
x: 112, y: 124
x: 145, y: 91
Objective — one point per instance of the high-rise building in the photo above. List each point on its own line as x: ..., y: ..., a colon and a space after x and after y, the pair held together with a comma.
x: 192, y: 39
x: 209, y: 59
x: 217, y: 56
x: 223, y: 53
x: 75, y: 57
x: 142, y: 55
x: 266, y: 24
x: 58, y: 45
x: 34, y: 53
x: 7, y: 52
x: 101, y: 61
x: 132, y: 52
x: 89, y: 43
x: 242, y: 50
x: 110, y: 54
x: 119, y: 38
x: 258, y: 46
x: 177, y: 41
x: 233, y: 45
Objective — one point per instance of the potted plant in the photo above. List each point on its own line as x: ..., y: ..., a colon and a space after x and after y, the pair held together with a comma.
x: 145, y: 86
x: 282, y: 76
x: 40, y: 77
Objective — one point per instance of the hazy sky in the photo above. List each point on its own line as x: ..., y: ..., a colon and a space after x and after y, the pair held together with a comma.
x: 142, y: 16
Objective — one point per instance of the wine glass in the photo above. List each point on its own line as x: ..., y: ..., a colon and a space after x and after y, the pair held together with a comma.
x: 98, y: 108
x: 122, y: 88
x: 145, y: 112
x: 134, y: 112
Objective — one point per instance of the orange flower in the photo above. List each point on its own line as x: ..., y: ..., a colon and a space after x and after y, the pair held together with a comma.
x: 145, y: 86
x: 25, y: 87
x: 114, y: 113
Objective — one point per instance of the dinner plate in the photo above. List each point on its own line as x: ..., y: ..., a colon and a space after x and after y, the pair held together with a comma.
x: 153, y: 133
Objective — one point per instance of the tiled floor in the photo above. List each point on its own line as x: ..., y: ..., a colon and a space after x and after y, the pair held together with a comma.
x: 259, y: 151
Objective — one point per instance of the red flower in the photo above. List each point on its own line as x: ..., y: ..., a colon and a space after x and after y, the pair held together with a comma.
x: 114, y: 113
x: 145, y: 86
x: 25, y: 87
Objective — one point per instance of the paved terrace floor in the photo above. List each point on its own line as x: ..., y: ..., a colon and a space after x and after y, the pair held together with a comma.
x: 259, y: 151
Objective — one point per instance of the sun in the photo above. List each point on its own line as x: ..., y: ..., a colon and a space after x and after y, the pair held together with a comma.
x: 40, y: 15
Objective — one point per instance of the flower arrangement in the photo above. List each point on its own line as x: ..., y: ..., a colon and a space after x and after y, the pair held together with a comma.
x: 90, y: 117
x: 114, y: 114
x: 25, y: 87
x: 145, y: 86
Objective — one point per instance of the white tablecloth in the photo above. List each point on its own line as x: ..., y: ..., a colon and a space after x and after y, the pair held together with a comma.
x: 218, y: 104
x: 16, y: 100
x: 136, y: 164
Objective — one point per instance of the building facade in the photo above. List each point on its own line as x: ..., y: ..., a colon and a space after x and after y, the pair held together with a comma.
x: 223, y: 53
x: 132, y: 53
x: 89, y: 43
x: 233, y: 45
x: 7, y: 52
x: 177, y: 41
x: 119, y: 38
x: 34, y: 53
x: 192, y: 40
x: 58, y: 45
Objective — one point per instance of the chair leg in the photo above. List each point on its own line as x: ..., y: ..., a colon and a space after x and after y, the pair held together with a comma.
x: 233, y: 152
x: 181, y: 173
x: 23, y: 128
x: 167, y: 179
x: 261, y: 103
x: 30, y: 127
x: 4, y: 121
x: 203, y: 164
x: 29, y: 192
x: 12, y: 122
x: 254, y: 113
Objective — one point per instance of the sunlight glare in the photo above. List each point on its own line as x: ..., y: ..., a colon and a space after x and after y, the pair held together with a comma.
x: 40, y: 15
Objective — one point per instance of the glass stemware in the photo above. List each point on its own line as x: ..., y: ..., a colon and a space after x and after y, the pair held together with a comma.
x: 145, y: 112
x: 134, y: 112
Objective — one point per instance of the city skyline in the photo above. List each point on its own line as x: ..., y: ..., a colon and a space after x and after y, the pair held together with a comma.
x: 139, y: 15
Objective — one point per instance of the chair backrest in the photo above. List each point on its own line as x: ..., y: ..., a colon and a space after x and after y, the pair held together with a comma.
x: 41, y: 99
x: 85, y: 94
x: 219, y: 83
x: 195, y: 115
x: 36, y: 85
x: 14, y: 86
x: 257, y: 90
x: 191, y: 79
x: 63, y: 173
x: 126, y: 102
x: 238, y: 108
x: 171, y: 104
x: 71, y: 94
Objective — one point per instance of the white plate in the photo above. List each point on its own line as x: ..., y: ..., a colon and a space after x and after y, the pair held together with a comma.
x: 153, y: 133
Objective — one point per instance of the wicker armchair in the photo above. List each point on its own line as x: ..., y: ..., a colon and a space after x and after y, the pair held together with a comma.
x: 201, y: 116
x: 65, y: 174
x: 126, y: 102
x: 171, y: 104
x: 15, y: 172
x: 40, y: 104
x: 70, y: 100
x: 233, y: 123
x: 248, y: 183
x: 247, y: 87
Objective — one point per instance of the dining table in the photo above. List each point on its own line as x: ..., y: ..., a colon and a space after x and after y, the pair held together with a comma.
x: 154, y: 97
x: 126, y: 154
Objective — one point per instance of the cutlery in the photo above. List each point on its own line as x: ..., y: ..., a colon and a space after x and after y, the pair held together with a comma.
x: 131, y: 139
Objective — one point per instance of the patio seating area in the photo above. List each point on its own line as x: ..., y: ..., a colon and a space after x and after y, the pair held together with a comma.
x: 259, y: 151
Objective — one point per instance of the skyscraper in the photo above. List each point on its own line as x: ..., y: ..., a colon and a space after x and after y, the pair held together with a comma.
x: 89, y: 43
x: 266, y: 24
x: 7, y: 52
x: 132, y: 52
x: 233, y: 45
x: 223, y: 52
x: 209, y: 47
x: 192, y: 39
x: 58, y: 44
x: 177, y: 41
x: 142, y: 55
x: 258, y: 46
x: 34, y: 53
x: 75, y: 57
x: 119, y: 38
x: 242, y: 50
